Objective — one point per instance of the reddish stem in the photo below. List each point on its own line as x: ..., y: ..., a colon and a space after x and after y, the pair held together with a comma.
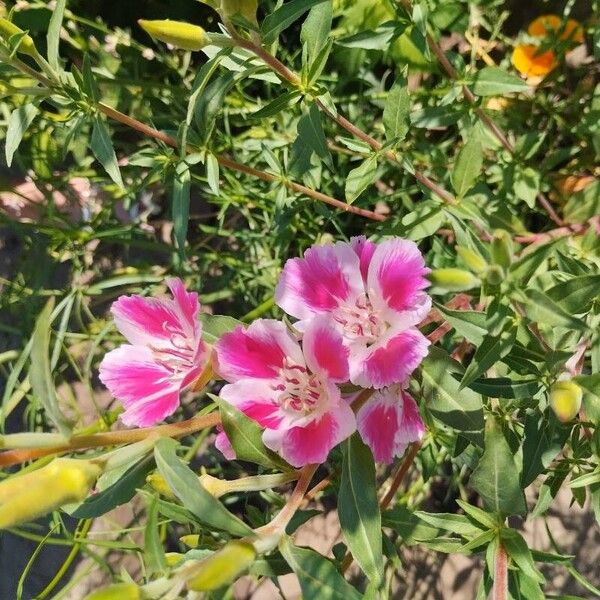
x: 500, y: 591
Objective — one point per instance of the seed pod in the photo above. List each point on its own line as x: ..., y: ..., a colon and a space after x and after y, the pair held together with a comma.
x: 565, y: 400
x: 453, y: 280
x: 26, y: 497
x: 471, y: 259
x: 501, y: 249
x: 177, y: 33
x: 8, y: 29
x: 222, y: 567
x: 117, y: 591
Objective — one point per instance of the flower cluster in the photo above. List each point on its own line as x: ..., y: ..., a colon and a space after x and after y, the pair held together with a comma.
x: 357, y: 306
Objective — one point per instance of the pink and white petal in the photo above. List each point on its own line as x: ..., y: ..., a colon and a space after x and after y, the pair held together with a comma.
x: 324, y: 350
x: 412, y: 428
x: 131, y: 374
x: 364, y: 250
x: 256, y: 399
x: 146, y: 320
x: 312, y: 442
x: 378, y: 422
x: 187, y: 307
x: 326, y: 277
x: 396, y: 279
x: 258, y: 351
x: 390, y: 360
x: 149, y: 411
x: 223, y: 445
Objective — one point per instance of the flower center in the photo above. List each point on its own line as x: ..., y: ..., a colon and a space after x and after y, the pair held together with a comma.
x: 301, y: 391
x: 360, y: 321
x: 179, y: 355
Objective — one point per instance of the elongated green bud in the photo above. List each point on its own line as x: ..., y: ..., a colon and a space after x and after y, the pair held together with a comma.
x: 471, y: 259
x: 117, y: 591
x: 453, y: 280
x: 565, y: 400
x: 26, y: 497
x: 8, y: 29
x: 177, y: 33
x: 494, y: 275
x: 240, y: 8
x: 501, y: 249
x: 222, y: 567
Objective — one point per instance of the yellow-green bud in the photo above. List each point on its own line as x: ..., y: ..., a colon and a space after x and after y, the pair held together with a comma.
x: 159, y: 484
x: 565, y: 400
x: 174, y: 558
x: 8, y: 29
x: 453, y: 280
x: 471, y: 259
x: 117, y: 591
x: 191, y: 540
x: 501, y: 249
x: 26, y: 497
x: 177, y: 33
x: 222, y: 567
x: 241, y: 8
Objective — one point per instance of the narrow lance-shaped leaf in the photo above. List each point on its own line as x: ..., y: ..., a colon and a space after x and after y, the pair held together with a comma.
x: 19, y: 121
x: 576, y: 295
x: 358, y: 508
x: 154, y: 553
x: 181, y: 205
x: 360, y: 178
x: 186, y: 486
x: 310, y: 130
x: 545, y: 311
x: 317, y: 575
x: 492, y: 81
x: 283, y: 17
x: 396, y: 113
x: 40, y: 374
x: 103, y: 150
x: 316, y: 28
x: 467, y: 166
x: 496, y: 477
x: 53, y: 35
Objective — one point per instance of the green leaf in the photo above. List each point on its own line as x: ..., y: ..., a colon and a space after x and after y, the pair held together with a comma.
x: 120, y: 492
x: 53, y: 35
x: 280, y: 103
x: 496, y: 477
x: 410, y: 528
x: 19, y: 121
x: 214, y: 326
x: 396, y: 112
x: 468, y: 323
x: 517, y: 549
x: 90, y: 87
x: 460, y: 409
x: 317, y: 575
x: 527, y: 265
x: 492, y: 81
x: 526, y: 185
x: 316, y: 29
x: 451, y: 522
x: 576, y: 295
x: 245, y: 436
x: 489, y: 352
x: 102, y: 148
x: 154, y: 553
x: 467, y: 166
x: 504, y: 387
x: 543, y: 310
x: 310, y: 131
x: 487, y: 520
x: 360, y: 178
x: 181, y: 205
x: 584, y: 204
x: 283, y: 17
x: 186, y: 486
x: 358, y: 508
x: 210, y: 101
x: 591, y: 395
x: 212, y: 173
x: 40, y: 374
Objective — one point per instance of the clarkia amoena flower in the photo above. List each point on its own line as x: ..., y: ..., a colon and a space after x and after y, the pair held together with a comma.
x: 372, y: 294
x: 388, y: 422
x: 165, y: 354
x: 289, y: 390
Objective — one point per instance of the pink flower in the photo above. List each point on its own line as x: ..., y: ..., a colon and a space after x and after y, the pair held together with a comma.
x: 373, y: 294
x: 165, y: 354
x: 288, y: 390
x: 388, y: 422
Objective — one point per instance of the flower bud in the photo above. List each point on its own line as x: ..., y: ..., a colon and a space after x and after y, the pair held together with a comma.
x: 177, y: 33
x: 8, y: 29
x: 453, y: 280
x: 494, y: 275
x: 26, y: 497
x: 117, y: 591
x: 565, y: 400
x: 501, y: 250
x: 471, y: 259
x: 159, y: 484
x: 222, y: 567
x: 240, y: 8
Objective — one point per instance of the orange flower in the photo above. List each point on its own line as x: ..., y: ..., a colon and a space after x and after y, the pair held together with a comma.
x: 527, y: 58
